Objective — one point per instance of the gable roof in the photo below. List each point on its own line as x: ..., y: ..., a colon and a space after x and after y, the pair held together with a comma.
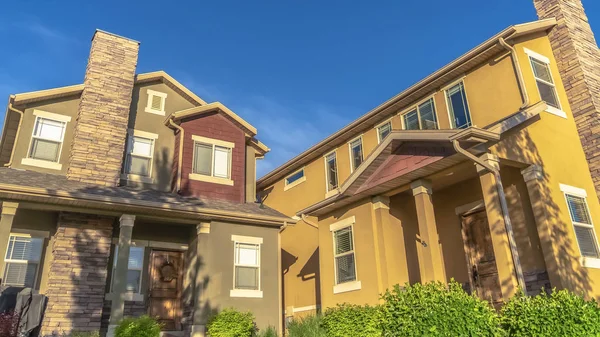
x: 439, y: 78
x: 213, y: 107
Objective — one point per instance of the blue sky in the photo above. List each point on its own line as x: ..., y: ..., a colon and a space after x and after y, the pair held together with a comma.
x: 297, y: 70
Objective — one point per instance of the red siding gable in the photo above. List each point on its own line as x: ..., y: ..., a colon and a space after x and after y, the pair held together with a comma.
x: 218, y: 127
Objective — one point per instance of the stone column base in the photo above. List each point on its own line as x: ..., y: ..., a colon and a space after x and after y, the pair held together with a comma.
x: 111, y: 330
x: 198, y: 331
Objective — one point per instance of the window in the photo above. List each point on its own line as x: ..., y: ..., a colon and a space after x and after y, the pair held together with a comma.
x: 212, y: 160
x: 22, y: 260
x: 331, y: 171
x: 47, y: 139
x: 356, y: 153
x: 456, y: 97
x: 246, y: 264
x: 345, y: 265
x: 139, y: 155
x: 383, y: 130
x: 135, y: 269
x: 543, y: 78
x: 294, y: 179
x: 582, y: 223
x: 156, y: 102
x: 422, y: 117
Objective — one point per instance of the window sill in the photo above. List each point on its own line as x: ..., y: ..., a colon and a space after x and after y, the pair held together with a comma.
x: 295, y: 183
x: 346, y: 287
x: 41, y: 163
x: 590, y: 262
x: 131, y: 297
x: 210, y: 179
x: 557, y: 112
x: 332, y: 193
x: 246, y: 293
x: 156, y: 112
x: 137, y: 178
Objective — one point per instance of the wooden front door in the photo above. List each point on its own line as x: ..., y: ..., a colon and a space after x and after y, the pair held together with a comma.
x: 164, y: 295
x: 480, y: 257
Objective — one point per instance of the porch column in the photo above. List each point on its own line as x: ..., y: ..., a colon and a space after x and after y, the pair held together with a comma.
x: 9, y: 209
x: 381, y: 219
x: 120, y: 277
x: 500, y: 242
x: 431, y: 265
x: 540, y: 199
x: 199, y: 318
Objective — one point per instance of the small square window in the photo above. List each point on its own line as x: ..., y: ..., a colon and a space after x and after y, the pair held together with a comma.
x: 212, y: 160
x: 156, y: 102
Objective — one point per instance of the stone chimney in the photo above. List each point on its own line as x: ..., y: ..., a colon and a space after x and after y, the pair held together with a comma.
x: 101, y: 125
x: 578, y: 59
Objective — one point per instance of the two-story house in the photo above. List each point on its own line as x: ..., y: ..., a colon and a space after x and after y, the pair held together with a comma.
x: 476, y: 173
x: 129, y: 195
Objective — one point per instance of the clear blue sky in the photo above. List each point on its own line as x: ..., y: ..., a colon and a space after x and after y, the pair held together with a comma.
x: 297, y: 70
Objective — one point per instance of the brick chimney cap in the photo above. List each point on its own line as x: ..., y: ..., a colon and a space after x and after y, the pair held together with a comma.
x: 113, y: 34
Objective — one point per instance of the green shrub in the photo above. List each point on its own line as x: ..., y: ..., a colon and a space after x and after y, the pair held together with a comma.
x: 232, y: 323
x: 561, y: 313
x: 144, y: 326
x: 83, y: 334
x: 268, y: 332
x: 309, y: 326
x: 435, y: 309
x: 348, y: 320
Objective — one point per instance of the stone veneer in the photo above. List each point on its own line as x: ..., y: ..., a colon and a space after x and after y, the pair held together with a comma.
x: 578, y: 60
x: 77, y: 275
x: 101, y: 126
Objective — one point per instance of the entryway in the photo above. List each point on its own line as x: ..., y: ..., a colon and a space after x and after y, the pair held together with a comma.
x: 165, y: 288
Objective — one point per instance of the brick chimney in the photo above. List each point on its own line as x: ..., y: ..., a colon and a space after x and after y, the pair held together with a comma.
x: 578, y: 59
x: 101, y: 125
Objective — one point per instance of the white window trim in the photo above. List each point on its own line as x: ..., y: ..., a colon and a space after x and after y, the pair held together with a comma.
x: 287, y: 186
x: 346, y: 286
x: 41, y: 163
x: 416, y: 106
x: 581, y: 193
x: 149, y: 103
x: 136, y: 177
x: 362, y: 145
x: 247, y: 293
x: 51, y: 115
x: 213, y: 141
x: 377, y: 127
x: 342, y: 224
x: 539, y: 57
x: 210, y: 178
x: 445, y: 91
x: 52, y: 165
x: 23, y: 234
x: 334, y: 191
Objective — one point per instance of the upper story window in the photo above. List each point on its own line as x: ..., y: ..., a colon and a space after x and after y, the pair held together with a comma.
x: 582, y: 221
x: 135, y: 268
x: 543, y: 78
x: 356, y: 152
x: 294, y: 179
x: 421, y: 117
x: 246, y: 266
x: 212, y: 160
x: 383, y: 131
x: 331, y: 171
x: 458, y: 107
x: 156, y: 102
x: 140, y: 151
x: 22, y: 260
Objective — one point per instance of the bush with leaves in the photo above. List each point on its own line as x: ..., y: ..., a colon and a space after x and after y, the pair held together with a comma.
x: 437, y: 309
x: 81, y: 334
x: 560, y: 313
x: 143, y: 326
x: 232, y: 323
x: 268, y: 332
x: 309, y: 326
x: 348, y: 320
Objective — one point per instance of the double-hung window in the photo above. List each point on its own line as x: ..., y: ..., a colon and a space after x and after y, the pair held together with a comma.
x: 543, y: 77
x: 345, y: 264
x: 47, y: 139
x: 456, y: 97
x: 582, y: 221
x: 383, y: 131
x: 135, y: 268
x: 212, y: 158
x: 246, y: 279
x: 140, y: 150
x: 421, y: 117
x: 22, y: 260
x: 331, y: 171
x: 356, y: 153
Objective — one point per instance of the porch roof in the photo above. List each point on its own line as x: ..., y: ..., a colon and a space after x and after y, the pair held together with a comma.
x: 30, y: 186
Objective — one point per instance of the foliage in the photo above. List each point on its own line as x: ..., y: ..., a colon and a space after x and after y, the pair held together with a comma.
x: 82, y: 334
x: 561, y: 313
x: 268, y: 332
x: 435, y: 309
x: 348, y: 320
x: 143, y: 326
x: 8, y: 324
x: 309, y: 326
x: 232, y: 323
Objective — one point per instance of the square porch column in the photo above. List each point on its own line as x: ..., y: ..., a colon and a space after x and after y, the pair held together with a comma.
x: 431, y: 265
x: 381, y: 219
x: 499, y: 236
x: 119, y: 288
x: 199, y: 318
x: 9, y: 209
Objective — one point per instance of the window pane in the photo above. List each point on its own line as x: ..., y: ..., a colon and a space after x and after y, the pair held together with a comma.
x: 44, y: 149
x: 246, y: 278
x: 411, y: 120
x: 133, y: 280
x: 357, y: 155
x: 221, y: 168
x: 343, y: 240
x: 136, y: 258
x: 49, y: 129
x: 427, y: 113
x: 541, y: 70
x: 384, y: 130
x: 142, y: 146
x: 548, y: 94
x: 139, y: 165
x: 247, y: 254
x: 157, y: 103
x: 202, y: 158
x: 20, y: 274
x: 345, y: 268
x: 24, y: 249
x: 578, y: 209
x: 294, y: 177
x: 459, y: 109
x: 331, y: 172
x: 587, y: 241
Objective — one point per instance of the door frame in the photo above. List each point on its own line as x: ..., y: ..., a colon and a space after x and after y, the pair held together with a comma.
x: 179, y: 300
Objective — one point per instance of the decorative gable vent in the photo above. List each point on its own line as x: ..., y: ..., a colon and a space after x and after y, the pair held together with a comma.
x: 156, y: 102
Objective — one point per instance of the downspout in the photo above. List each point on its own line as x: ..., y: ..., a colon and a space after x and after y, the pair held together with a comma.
x: 517, y: 66
x: 504, y: 207
x: 11, y: 108
x: 308, y: 222
x: 180, y: 157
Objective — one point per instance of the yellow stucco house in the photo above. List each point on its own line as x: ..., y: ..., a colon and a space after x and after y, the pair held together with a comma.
x: 483, y: 172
